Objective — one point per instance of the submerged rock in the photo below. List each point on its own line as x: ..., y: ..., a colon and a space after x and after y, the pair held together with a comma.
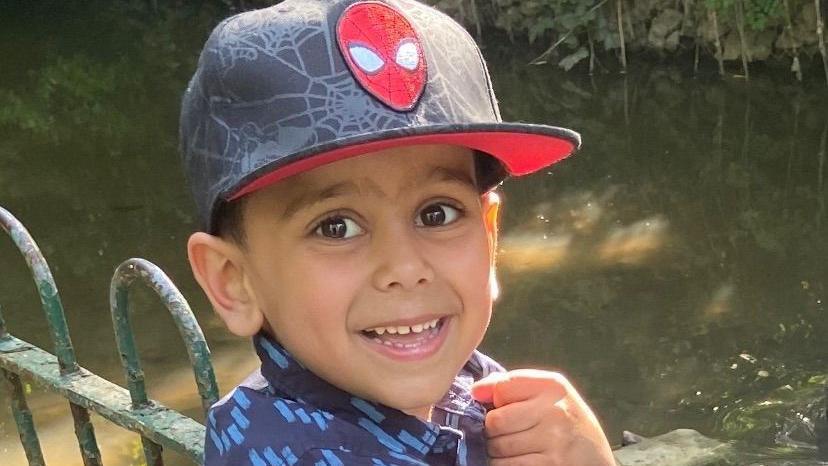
x: 682, y: 447
x: 664, y: 31
x: 760, y: 45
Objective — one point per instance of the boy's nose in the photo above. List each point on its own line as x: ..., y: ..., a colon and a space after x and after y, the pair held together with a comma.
x: 402, y: 263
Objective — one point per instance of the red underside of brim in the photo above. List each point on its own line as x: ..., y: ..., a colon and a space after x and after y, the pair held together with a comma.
x: 520, y: 153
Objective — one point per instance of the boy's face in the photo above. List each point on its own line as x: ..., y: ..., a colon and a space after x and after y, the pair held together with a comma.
x: 374, y: 271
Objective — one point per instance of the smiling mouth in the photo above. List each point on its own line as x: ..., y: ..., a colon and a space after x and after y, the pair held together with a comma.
x: 416, y: 329
x: 419, y: 340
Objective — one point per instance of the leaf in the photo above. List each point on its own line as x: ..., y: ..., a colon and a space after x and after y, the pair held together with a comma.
x: 573, y: 59
x: 539, y: 28
x: 569, y: 21
x: 611, y: 41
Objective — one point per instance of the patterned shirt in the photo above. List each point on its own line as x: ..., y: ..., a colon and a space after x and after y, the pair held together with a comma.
x: 283, y: 414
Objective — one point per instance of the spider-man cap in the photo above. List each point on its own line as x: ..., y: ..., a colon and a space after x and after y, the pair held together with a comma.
x: 285, y: 89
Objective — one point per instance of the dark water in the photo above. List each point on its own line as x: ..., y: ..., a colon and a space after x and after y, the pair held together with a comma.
x: 675, y: 269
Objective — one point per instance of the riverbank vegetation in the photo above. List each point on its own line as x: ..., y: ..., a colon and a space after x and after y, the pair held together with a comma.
x: 731, y: 34
x: 727, y: 32
x: 602, y: 35
x: 594, y: 36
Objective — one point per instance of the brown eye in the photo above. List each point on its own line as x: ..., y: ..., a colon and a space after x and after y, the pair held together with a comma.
x: 338, y: 228
x: 435, y: 215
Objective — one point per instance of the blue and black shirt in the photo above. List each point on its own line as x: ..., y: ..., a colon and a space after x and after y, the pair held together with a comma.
x: 283, y: 414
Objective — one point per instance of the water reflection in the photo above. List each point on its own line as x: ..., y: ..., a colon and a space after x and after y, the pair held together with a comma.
x: 530, y: 253
x: 728, y: 178
x: 632, y: 244
x: 721, y: 302
x: 580, y: 229
x: 525, y: 251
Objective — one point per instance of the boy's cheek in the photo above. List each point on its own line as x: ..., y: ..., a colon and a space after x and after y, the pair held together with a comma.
x: 472, y: 271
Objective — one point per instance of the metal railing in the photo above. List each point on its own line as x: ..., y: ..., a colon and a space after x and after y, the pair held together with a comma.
x: 160, y: 427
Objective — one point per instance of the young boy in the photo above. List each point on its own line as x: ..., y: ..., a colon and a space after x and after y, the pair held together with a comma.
x: 343, y: 155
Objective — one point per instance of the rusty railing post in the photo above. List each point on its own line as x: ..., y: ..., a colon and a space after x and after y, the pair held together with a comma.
x: 55, y: 317
x: 20, y: 410
x: 197, y: 349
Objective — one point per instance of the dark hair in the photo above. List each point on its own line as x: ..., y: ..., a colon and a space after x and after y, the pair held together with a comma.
x: 489, y: 172
x: 230, y: 221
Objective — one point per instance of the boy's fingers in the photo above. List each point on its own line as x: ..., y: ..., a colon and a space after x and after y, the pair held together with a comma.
x: 519, y: 444
x: 512, y: 418
x: 520, y: 385
x: 483, y: 389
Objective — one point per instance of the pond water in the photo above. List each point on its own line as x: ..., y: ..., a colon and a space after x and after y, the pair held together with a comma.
x: 676, y: 268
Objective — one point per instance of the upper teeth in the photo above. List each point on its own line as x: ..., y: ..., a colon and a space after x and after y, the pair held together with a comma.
x: 404, y: 329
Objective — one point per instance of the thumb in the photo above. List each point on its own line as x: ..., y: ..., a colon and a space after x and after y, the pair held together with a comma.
x: 483, y: 390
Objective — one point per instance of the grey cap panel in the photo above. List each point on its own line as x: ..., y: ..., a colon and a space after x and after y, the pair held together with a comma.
x: 272, y: 85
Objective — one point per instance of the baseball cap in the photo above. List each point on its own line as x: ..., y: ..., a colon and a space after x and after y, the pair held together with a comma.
x: 282, y: 90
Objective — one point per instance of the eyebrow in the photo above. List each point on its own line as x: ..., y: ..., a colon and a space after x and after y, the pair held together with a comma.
x: 448, y: 174
x: 315, y: 196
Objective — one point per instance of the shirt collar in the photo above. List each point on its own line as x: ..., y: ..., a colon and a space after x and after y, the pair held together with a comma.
x: 288, y: 376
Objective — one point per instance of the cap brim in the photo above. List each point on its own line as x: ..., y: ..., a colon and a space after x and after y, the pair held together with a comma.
x: 521, y: 148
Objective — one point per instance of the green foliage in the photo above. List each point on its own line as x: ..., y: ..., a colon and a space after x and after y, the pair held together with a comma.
x: 569, y: 25
x: 758, y: 14
x: 571, y: 22
x: 15, y: 111
x: 573, y: 59
x: 537, y: 18
x: 72, y: 90
x: 72, y: 93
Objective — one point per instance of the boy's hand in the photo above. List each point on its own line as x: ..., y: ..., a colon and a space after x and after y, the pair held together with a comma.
x: 539, y: 419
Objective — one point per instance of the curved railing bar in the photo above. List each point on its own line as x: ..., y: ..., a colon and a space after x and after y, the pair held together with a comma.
x: 197, y: 349
x: 49, y: 297
x: 52, y: 306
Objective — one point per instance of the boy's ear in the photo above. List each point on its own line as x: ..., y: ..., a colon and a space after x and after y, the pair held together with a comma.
x: 219, y: 267
x: 491, y: 217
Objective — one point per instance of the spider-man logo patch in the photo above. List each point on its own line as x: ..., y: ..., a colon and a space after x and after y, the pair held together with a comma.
x: 384, y: 53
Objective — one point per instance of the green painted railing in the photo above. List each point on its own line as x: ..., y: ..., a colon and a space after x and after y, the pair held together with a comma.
x: 160, y: 427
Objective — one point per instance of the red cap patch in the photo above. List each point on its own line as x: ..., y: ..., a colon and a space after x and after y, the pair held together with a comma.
x: 384, y: 53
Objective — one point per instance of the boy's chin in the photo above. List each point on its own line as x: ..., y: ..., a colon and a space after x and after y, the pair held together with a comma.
x: 413, y: 398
